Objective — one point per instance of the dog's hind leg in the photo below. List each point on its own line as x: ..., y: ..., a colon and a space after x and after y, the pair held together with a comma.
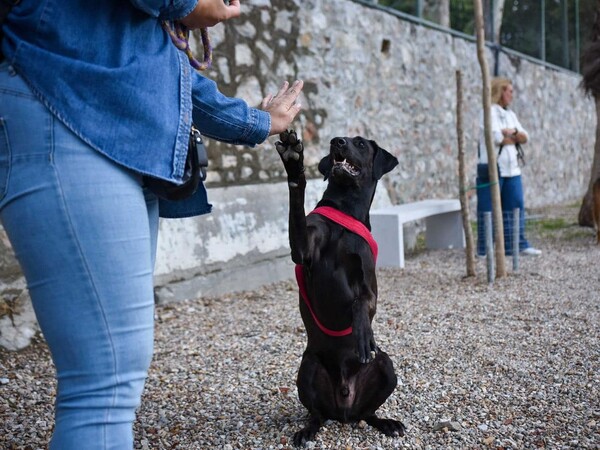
x: 307, y: 433
x: 380, y: 373
x: 389, y: 427
x: 315, y: 391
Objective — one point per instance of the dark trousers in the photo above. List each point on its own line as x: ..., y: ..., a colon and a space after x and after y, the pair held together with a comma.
x: 511, y: 197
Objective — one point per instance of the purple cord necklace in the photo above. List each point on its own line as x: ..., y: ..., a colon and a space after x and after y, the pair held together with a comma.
x: 180, y: 35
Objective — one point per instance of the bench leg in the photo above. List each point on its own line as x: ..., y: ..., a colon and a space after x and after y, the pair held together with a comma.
x: 445, y: 231
x: 389, y: 235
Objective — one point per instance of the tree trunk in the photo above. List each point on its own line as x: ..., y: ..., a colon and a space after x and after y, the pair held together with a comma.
x: 437, y: 11
x: 462, y: 178
x: 585, y: 218
x: 491, y: 154
x: 495, y: 9
x: 590, y: 71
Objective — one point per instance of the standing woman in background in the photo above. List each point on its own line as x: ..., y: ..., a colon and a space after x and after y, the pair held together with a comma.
x: 507, y: 135
x: 94, y: 97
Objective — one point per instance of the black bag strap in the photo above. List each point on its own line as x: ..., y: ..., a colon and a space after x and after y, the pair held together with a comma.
x: 520, y: 153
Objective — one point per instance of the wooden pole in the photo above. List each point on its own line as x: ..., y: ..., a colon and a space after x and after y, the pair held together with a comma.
x: 491, y: 154
x: 462, y: 178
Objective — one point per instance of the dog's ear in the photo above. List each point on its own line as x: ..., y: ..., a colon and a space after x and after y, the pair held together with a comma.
x: 325, y: 166
x: 383, y: 161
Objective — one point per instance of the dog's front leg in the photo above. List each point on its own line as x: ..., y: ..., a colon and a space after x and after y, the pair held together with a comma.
x: 291, y: 151
x: 361, y: 328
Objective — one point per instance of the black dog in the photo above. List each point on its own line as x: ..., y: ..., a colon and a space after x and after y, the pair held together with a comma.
x: 343, y: 376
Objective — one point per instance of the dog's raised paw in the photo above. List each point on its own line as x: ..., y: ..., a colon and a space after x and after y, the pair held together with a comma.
x: 289, y: 146
x: 291, y: 152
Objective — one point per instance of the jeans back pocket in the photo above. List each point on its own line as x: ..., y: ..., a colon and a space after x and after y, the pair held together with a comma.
x: 4, y: 159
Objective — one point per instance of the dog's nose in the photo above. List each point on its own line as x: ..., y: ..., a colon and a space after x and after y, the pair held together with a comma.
x: 338, y: 142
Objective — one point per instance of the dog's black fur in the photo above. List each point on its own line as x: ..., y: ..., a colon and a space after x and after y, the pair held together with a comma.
x: 341, y: 378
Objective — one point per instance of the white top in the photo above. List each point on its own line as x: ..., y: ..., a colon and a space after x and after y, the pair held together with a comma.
x: 507, y: 161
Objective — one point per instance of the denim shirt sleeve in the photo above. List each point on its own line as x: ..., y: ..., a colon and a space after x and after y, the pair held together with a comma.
x: 224, y: 118
x: 165, y: 9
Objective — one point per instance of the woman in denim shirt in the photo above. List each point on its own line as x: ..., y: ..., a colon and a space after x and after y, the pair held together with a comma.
x: 93, y: 96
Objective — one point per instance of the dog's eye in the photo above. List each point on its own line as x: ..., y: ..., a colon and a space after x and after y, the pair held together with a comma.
x: 361, y: 144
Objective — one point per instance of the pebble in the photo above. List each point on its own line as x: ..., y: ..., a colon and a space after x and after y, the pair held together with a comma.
x: 513, y: 365
x: 447, y: 426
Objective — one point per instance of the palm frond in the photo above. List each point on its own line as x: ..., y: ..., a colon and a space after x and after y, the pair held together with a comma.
x: 590, y: 60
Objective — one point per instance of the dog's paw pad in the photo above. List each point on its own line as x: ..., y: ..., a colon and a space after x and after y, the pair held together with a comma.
x: 284, y: 136
x: 292, y: 138
x: 281, y: 148
x: 289, y: 138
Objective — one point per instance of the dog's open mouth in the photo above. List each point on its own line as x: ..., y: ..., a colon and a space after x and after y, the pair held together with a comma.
x: 346, y: 166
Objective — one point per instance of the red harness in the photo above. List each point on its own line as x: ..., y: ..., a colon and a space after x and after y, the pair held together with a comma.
x: 351, y: 224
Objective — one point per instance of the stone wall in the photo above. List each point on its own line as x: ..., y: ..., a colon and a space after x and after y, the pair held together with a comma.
x: 366, y: 72
x: 369, y: 72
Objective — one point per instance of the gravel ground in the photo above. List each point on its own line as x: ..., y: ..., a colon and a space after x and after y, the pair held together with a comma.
x: 512, y: 365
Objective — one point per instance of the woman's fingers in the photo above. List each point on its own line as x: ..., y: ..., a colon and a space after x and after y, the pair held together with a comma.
x: 208, y: 13
x: 283, y: 107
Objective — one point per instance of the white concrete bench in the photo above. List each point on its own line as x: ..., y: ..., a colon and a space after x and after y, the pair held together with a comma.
x: 443, y: 222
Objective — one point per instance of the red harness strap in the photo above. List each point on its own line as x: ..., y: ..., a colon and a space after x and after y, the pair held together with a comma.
x: 351, y: 224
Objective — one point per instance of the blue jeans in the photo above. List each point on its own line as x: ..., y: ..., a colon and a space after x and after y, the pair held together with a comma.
x: 511, y: 197
x: 84, y: 232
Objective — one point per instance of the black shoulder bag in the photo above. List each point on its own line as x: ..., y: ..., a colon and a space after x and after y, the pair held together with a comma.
x: 5, y: 7
x: 194, y: 172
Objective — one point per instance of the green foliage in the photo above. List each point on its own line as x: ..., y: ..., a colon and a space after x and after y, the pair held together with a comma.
x: 556, y: 228
x: 522, y: 29
x: 553, y: 224
x: 522, y: 26
x: 406, y: 6
x: 462, y: 16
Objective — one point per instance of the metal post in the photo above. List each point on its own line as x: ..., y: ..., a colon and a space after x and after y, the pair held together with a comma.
x: 489, y: 245
x: 492, y: 28
x: 543, y: 30
x: 496, y: 44
x: 565, y: 33
x: 516, y: 235
x: 420, y: 9
x: 577, y: 37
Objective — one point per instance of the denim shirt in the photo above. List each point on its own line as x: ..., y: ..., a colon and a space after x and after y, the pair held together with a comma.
x: 109, y: 71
